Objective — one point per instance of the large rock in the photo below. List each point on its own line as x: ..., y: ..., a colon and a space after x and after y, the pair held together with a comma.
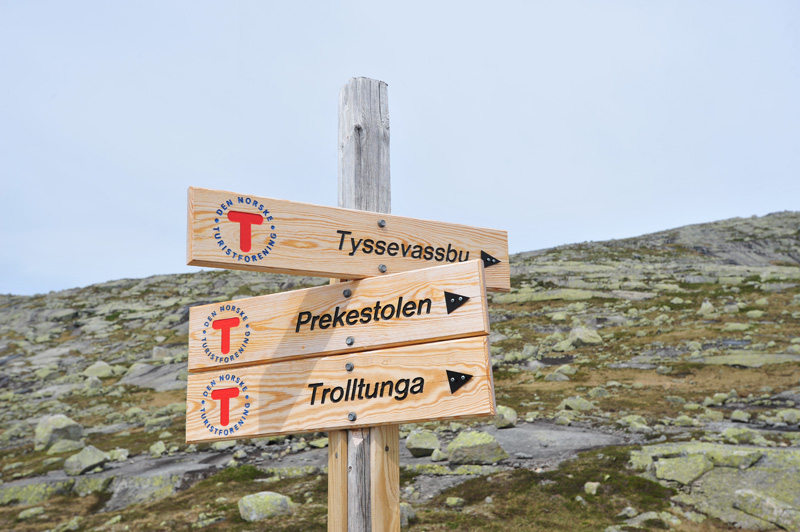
x: 685, y: 469
x: 773, y: 475
x: 99, y: 369
x: 263, y: 505
x: 768, y: 509
x: 582, y: 336
x: 65, y: 446
x: 54, y: 428
x: 140, y: 489
x: 33, y: 490
x: 556, y: 377
x: 576, y: 403
x: 506, y: 417
x: 421, y: 442
x: 474, y: 447
x: 86, y: 460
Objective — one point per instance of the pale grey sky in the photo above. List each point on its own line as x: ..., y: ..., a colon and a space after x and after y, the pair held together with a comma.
x: 558, y: 121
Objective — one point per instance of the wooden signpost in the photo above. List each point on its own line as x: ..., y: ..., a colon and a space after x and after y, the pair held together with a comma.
x: 440, y: 380
x: 245, y: 232
x: 405, y: 340
x: 406, y: 308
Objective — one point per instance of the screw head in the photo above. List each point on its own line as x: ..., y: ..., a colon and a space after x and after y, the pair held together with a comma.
x: 351, y: 416
x: 347, y: 292
x: 382, y: 268
x: 381, y: 223
x: 350, y: 340
x: 349, y: 366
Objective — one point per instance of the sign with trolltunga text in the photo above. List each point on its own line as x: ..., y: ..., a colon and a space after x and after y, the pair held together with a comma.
x: 440, y: 380
x: 432, y: 304
x: 238, y: 231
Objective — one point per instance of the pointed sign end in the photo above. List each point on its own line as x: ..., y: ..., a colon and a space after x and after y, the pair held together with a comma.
x: 456, y: 380
x: 453, y: 301
x: 488, y: 260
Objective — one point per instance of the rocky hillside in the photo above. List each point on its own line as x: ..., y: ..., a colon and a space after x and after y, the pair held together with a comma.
x: 650, y: 382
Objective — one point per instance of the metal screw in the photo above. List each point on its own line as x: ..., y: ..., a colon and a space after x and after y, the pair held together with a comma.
x: 463, y: 377
x: 351, y: 416
x: 382, y: 268
x: 452, y: 379
x: 347, y: 292
x: 349, y: 366
x: 381, y: 223
x: 350, y: 340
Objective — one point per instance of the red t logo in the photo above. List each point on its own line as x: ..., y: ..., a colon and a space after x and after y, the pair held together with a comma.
x: 224, y: 396
x: 226, y: 325
x: 245, y: 220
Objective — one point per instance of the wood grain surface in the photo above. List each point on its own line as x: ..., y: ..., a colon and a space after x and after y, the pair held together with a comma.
x: 276, y: 398
x: 279, y: 326
x: 304, y: 239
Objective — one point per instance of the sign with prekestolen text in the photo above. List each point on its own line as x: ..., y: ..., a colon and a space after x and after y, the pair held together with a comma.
x: 239, y: 231
x: 439, y: 380
x: 432, y: 304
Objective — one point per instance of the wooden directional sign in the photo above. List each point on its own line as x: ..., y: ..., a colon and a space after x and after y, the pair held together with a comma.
x: 440, y: 380
x: 238, y: 231
x: 427, y: 305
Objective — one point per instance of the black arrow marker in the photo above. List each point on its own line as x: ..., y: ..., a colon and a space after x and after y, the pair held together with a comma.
x: 453, y: 301
x: 488, y: 260
x: 456, y: 380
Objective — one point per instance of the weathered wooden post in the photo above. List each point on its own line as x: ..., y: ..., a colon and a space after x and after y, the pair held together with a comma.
x: 363, y: 464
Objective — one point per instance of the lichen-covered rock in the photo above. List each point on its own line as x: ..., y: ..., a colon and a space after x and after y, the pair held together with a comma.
x: 556, y: 377
x: 86, y: 460
x: 30, y: 513
x: 788, y: 415
x: 223, y: 445
x: 576, y: 403
x: 51, y: 429
x: 438, y: 456
x: 566, y: 369
x: 99, y: 369
x: 740, y: 416
x: 455, y: 502
x: 118, y: 455
x: 158, y: 449
x: 740, y: 459
x: 89, y: 484
x: 706, y: 309
x: 768, y: 508
x: 263, y: 505
x: 598, y: 392
x: 744, y: 435
x: 66, y: 446
x: 33, y: 491
x: 139, y: 489
x: 590, y: 488
x: 506, y: 417
x: 475, y: 447
x: 582, y: 336
x: 407, y: 514
x: 685, y: 469
x: 421, y: 442
x: 157, y: 423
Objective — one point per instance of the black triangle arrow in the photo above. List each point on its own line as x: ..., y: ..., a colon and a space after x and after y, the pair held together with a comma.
x: 453, y: 301
x: 488, y: 260
x: 456, y: 380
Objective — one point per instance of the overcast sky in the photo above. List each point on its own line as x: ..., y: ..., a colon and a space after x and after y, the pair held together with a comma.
x: 560, y: 121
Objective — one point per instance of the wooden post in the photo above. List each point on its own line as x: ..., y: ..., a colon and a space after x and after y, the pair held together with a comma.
x: 367, y: 458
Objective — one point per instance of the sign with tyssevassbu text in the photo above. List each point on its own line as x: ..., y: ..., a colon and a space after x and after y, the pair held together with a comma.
x: 440, y: 380
x: 432, y: 304
x: 238, y: 231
